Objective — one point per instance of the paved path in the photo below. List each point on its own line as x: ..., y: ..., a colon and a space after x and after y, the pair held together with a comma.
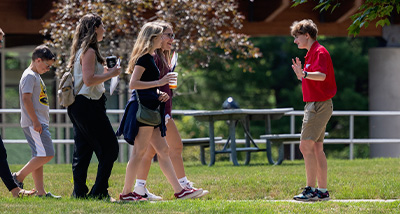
x: 293, y: 201
x: 342, y: 200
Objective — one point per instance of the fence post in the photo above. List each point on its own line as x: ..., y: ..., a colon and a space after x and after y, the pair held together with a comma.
x: 60, y: 158
x: 121, y: 152
x: 292, y: 126
x: 67, y: 146
x: 130, y: 149
x: 121, y: 104
x: 351, y: 137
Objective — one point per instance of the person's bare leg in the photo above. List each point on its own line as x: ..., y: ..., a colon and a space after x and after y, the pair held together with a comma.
x: 307, y: 149
x: 143, y: 170
x: 31, y: 166
x: 175, y: 152
x: 37, y: 175
x: 160, y: 145
x: 174, y: 141
x: 322, y: 166
x: 15, y: 192
x: 139, y: 149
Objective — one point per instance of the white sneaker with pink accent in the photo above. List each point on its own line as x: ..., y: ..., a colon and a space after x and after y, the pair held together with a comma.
x: 188, y: 193
x: 189, y: 185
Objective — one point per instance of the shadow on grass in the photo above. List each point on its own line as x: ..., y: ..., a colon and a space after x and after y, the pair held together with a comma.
x: 241, y: 164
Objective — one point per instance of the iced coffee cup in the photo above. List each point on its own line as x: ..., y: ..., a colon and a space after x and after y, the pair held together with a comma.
x: 173, y: 83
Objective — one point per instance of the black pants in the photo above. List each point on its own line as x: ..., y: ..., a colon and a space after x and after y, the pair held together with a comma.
x: 92, y: 133
x: 5, y: 172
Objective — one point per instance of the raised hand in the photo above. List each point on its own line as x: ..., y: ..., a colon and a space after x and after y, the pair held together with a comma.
x: 297, y: 68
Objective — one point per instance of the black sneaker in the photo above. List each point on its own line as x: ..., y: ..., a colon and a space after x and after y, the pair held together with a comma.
x: 306, y: 195
x: 322, y: 196
x: 19, y: 184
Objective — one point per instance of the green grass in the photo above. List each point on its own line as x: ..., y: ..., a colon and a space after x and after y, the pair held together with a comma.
x: 193, y: 206
x: 243, y: 189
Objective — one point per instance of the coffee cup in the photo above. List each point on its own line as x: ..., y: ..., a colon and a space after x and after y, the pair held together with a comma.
x: 173, y: 83
x: 111, y: 61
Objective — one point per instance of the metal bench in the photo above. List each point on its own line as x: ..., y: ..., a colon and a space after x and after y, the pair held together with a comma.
x: 203, y: 142
x: 280, y: 138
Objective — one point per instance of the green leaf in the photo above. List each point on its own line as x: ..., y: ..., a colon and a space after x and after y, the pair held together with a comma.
x: 372, y: 16
x: 298, y: 2
x: 335, y: 6
x: 387, y: 22
x: 326, y: 7
x: 318, y: 6
x: 352, y: 27
x: 380, y: 22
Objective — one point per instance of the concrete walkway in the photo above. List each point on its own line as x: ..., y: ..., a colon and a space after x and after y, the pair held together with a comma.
x: 342, y: 200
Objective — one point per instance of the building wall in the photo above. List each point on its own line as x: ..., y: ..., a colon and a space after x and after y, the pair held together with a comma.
x: 384, y: 95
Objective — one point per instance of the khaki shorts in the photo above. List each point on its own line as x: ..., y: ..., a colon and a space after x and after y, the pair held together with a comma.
x: 316, y: 116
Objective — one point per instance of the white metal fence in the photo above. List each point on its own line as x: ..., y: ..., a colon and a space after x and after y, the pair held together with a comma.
x: 63, y: 126
x: 351, y: 140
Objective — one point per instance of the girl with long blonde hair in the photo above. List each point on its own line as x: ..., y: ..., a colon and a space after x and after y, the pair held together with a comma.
x: 145, y: 81
x: 162, y: 59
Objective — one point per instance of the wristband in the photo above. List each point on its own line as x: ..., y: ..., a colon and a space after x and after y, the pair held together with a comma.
x: 305, y: 74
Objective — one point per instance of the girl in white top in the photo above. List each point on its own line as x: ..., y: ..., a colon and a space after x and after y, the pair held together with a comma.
x: 91, y: 92
x: 92, y: 129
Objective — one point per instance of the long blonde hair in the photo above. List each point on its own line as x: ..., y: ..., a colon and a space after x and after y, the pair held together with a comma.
x: 165, y: 55
x: 144, y: 43
x: 85, y: 37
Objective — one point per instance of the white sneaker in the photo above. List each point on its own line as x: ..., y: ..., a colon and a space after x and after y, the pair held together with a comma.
x: 188, y: 193
x: 148, y: 195
x: 189, y: 185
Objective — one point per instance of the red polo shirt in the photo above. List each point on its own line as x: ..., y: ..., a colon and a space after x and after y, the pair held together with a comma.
x: 318, y: 59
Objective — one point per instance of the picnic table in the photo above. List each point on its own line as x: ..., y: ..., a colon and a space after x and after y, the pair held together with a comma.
x: 233, y: 117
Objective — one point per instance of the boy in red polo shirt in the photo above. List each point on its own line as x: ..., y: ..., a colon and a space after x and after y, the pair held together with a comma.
x: 318, y: 86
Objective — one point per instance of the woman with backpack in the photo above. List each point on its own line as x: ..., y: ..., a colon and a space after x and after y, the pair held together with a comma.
x: 92, y: 128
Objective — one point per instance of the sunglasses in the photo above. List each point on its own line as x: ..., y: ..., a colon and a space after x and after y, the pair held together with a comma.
x: 47, y: 65
x: 169, y: 35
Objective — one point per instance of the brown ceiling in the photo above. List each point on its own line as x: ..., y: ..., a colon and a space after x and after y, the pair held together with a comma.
x: 274, y: 17
x: 23, y: 16
x: 263, y: 17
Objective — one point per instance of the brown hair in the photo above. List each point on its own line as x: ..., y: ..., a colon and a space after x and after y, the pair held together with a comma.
x: 303, y: 27
x: 43, y: 52
x: 85, y: 37
x: 165, y: 55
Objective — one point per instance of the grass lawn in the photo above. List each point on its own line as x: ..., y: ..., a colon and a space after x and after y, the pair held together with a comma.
x: 243, y: 189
